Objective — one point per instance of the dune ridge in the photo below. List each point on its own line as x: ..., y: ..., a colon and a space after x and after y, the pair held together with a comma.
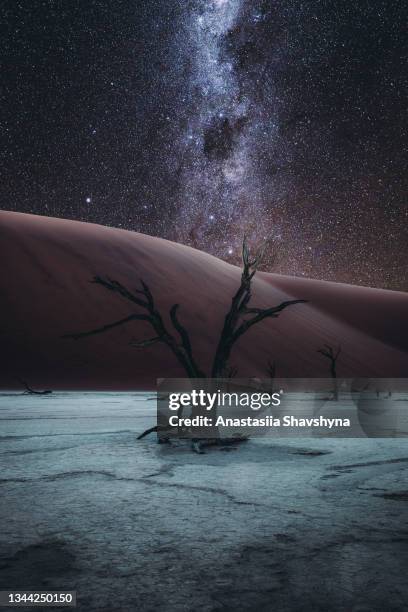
x: 45, y: 293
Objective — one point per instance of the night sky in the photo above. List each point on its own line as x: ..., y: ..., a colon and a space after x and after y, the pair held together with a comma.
x: 202, y: 120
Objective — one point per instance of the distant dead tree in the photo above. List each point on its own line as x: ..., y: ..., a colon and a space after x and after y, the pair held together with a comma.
x: 332, y: 355
x: 32, y: 391
x: 271, y: 369
x: 239, y: 319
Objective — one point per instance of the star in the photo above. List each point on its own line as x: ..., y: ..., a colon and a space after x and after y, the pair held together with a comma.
x: 234, y: 117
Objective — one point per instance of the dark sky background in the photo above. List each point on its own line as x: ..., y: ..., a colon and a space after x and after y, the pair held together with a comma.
x: 200, y: 120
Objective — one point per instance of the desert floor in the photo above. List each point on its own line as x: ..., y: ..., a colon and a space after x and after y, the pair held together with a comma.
x: 282, y: 525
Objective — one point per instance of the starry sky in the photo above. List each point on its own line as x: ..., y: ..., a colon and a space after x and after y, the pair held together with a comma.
x: 202, y: 120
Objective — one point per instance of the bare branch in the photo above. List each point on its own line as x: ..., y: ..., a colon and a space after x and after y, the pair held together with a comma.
x: 328, y: 352
x: 185, y: 338
x: 117, y: 287
x: 264, y: 314
x: 104, y: 328
x: 147, y: 432
x: 146, y: 291
x: 144, y: 343
x: 32, y: 391
x: 182, y: 351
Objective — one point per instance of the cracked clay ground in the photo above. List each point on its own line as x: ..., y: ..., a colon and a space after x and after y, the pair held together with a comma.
x: 274, y: 525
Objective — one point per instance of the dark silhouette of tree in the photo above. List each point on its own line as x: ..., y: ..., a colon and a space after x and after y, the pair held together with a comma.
x: 239, y: 319
x: 32, y: 391
x: 180, y: 345
x: 328, y: 352
x: 235, y: 323
x: 271, y: 369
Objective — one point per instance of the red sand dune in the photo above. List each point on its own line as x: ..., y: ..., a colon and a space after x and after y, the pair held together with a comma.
x: 45, y: 292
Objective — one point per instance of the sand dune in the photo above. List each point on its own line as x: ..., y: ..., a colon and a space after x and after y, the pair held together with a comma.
x: 45, y: 292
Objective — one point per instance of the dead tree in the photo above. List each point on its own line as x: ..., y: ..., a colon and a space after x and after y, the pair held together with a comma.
x: 180, y: 345
x: 328, y: 352
x: 271, y: 369
x: 32, y: 391
x: 235, y: 323
x: 239, y: 319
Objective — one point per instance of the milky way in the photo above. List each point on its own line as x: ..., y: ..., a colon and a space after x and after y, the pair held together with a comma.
x: 204, y: 120
x: 221, y: 191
